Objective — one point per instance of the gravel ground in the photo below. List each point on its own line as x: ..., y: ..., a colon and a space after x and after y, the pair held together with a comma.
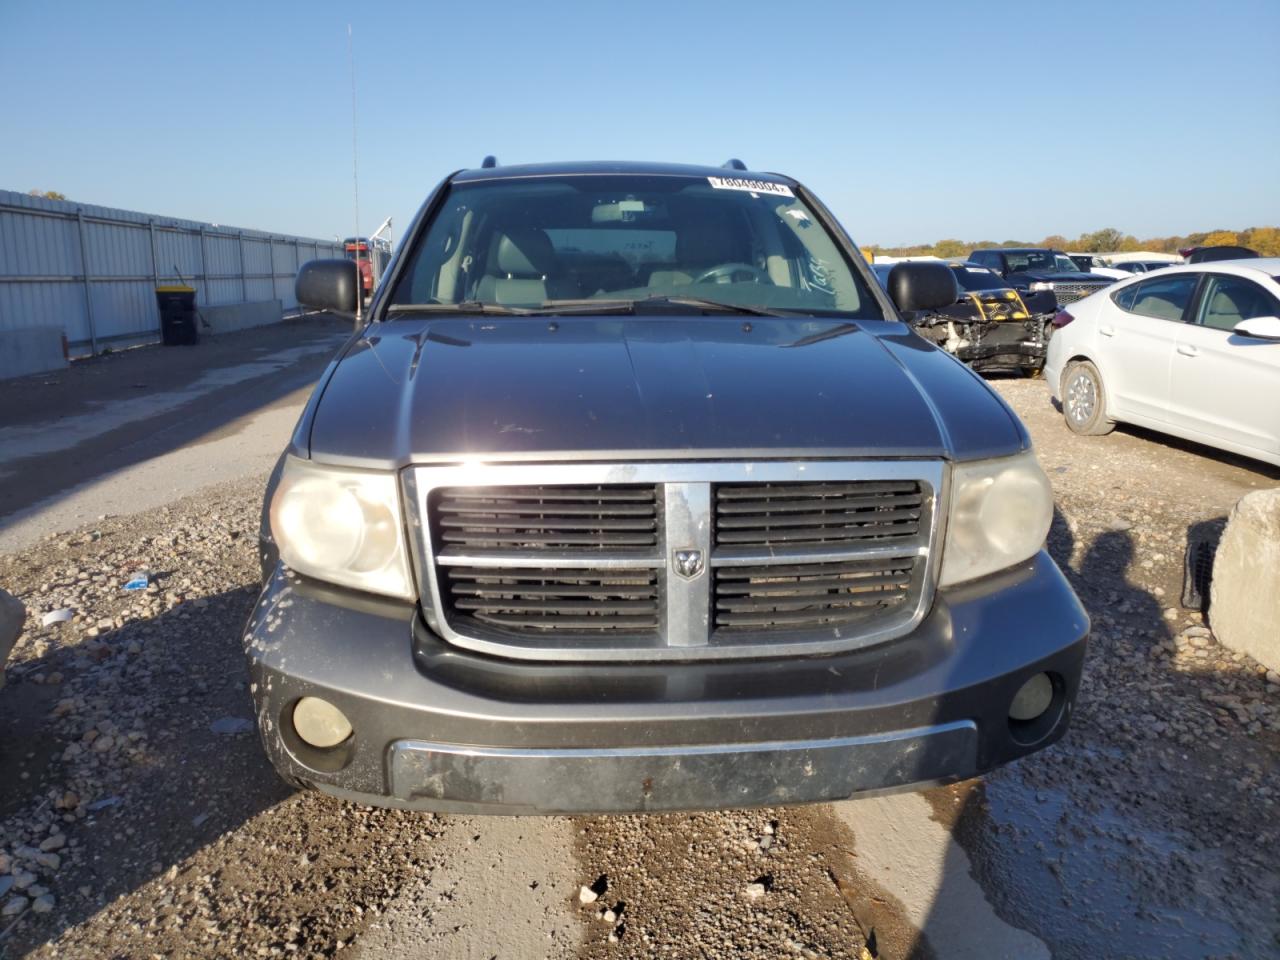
x: 138, y: 816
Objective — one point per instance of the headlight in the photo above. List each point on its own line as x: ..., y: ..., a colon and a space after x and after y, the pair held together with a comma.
x: 343, y: 526
x: 1000, y: 515
x: 1040, y: 286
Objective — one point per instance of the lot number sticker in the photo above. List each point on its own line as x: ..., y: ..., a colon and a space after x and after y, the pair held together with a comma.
x: 751, y: 186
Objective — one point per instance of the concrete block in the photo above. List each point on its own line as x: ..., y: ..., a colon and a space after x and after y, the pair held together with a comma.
x: 12, y: 614
x: 229, y: 317
x: 28, y: 350
x: 1244, y: 604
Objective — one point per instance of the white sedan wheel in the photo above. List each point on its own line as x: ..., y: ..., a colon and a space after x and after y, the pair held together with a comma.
x: 1084, y: 401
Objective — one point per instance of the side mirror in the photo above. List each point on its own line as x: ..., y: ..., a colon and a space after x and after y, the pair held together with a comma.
x: 332, y: 285
x: 1259, y: 328
x: 922, y: 286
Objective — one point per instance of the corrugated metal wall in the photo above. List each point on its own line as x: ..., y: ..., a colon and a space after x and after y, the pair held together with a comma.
x: 92, y: 271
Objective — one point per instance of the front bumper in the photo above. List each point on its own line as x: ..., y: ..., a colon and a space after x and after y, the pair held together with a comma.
x: 1022, y: 353
x: 439, y: 728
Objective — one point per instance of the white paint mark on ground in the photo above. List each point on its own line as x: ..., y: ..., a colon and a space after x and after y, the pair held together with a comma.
x: 915, y: 859
x: 36, y: 439
x: 252, y: 448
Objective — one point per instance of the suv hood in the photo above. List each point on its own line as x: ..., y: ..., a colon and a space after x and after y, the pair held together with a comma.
x: 1050, y: 276
x: 572, y: 388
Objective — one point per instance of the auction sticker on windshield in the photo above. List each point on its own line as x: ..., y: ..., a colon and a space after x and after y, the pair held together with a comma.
x: 751, y: 186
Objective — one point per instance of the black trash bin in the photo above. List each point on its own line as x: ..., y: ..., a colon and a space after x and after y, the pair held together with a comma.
x: 177, y: 315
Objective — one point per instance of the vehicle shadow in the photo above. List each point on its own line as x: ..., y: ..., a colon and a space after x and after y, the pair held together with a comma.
x: 929, y: 894
x: 1224, y: 457
x: 165, y: 786
x: 1117, y: 840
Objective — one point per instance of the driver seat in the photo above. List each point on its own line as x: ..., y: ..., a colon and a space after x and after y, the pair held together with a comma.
x: 700, y: 245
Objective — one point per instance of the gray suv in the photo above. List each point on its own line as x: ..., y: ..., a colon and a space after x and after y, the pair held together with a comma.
x: 636, y: 492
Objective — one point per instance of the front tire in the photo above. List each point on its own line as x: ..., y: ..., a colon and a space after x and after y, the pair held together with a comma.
x: 1084, y: 400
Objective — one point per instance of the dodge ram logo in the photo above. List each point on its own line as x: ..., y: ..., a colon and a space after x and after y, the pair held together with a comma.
x: 688, y: 563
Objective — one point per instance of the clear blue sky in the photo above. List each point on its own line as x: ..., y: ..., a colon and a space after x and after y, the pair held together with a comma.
x: 914, y: 121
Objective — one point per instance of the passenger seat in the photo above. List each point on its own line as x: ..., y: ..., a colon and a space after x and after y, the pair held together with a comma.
x: 522, y: 269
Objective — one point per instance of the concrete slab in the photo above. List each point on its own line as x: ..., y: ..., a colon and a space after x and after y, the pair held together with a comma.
x: 903, y: 849
x: 229, y: 317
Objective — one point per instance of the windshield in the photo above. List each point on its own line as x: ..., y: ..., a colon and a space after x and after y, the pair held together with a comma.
x: 1041, y: 261
x: 978, y: 278
x: 533, y: 242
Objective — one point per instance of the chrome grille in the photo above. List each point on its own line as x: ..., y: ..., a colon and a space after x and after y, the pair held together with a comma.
x: 684, y: 560
x: 548, y: 517
x: 808, y: 514
x: 799, y: 595
x: 1071, y: 292
x: 550, y: 599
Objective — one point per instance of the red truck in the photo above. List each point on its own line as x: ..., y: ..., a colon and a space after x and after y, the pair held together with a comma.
x: 357, y: 249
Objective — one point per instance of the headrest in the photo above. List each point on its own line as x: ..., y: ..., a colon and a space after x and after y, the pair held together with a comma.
x: 525, y: 253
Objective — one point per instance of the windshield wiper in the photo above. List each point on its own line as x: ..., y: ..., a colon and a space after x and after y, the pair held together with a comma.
x: 839, y: 330
x: 587, y: 306
x: 703, y: 303
x: 578, y: 307
x: 466, y: 308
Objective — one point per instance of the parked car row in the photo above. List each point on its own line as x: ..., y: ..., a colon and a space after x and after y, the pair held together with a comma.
x: 1007, y: 296
x: 1092, y: 263
x: 1039, y: 269
x: 1142, y: 266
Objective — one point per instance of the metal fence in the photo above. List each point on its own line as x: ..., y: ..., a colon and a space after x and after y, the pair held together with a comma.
x: 92, y: 271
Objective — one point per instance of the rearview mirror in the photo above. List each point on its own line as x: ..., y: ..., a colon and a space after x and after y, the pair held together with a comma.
x: 922, y: 286
x: 1260, y: 328
x: 332, y: 285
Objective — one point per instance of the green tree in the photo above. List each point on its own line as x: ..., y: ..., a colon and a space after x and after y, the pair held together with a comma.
x: 47, y: 194
x: 950, y: 249
x: 1101, y: 241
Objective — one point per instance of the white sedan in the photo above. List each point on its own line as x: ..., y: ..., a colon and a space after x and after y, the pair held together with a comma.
x: 1193, y: 351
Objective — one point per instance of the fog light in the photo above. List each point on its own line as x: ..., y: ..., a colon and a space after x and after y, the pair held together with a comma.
x: 320, y: 723
x: 1033, y: 698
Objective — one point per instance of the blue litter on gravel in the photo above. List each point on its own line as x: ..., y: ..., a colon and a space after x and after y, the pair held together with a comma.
x: 139, y: 581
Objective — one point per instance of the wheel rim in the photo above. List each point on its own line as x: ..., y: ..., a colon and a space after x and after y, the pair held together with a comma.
x: 1082, y: 397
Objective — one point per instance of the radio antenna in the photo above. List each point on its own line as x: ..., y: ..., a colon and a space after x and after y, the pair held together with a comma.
x: 355, y: 176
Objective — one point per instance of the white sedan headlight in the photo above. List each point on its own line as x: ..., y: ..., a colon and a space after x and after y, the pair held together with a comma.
x: 343, y: 526
x: 1000, y: 515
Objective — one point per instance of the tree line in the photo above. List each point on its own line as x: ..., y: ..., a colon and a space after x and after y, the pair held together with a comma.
x: 1265, y: 240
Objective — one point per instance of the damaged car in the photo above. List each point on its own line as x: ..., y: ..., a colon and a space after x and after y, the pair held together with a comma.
x: 992, y: 327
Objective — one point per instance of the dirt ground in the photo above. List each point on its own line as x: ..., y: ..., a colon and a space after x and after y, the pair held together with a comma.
x: 139, y: 818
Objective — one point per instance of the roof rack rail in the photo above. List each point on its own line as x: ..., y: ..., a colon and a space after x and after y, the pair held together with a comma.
x: 489, y: 162
x: 733, y: 163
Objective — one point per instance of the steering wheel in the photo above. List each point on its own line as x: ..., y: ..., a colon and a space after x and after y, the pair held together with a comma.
x: 730, y: 272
